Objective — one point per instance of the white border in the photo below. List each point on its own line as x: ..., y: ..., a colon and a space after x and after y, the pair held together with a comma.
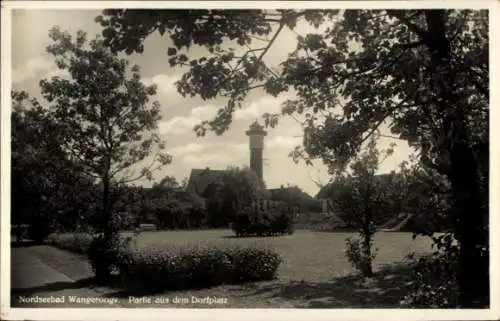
x: 232, y: 314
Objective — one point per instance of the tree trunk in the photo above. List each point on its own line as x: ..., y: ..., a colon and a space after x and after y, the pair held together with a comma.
x: 366, y: 259
x: 109, y: 230
x: 102, y: 268
x: 471, y: 222
x: 471, y: 228
x: 106, y: 213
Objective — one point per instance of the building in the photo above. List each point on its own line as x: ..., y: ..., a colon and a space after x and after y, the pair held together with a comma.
x: 200, y: 179
x: 256, y: 135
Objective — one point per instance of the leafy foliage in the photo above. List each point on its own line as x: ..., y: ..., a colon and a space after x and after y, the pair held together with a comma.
x: 254, y: 221
x: 356, y: 254
x: 78, y: 243
x: 104, y: 253
x: 361, y: 202
x: 235, y: 189
x: 48, y: 192
x: 164, y: 205
x: 429, y: 197
x: 111, y: 124
x: 295, y: 197
x: 104, y: 120
x: 177, y: 211
x: 434, y: 280
x: 195, y: 266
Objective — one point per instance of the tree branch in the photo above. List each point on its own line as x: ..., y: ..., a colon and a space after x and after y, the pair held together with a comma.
x: 280, y: 28
x: 401, y: 15
x: 148, y: 168
x: 387, y: 114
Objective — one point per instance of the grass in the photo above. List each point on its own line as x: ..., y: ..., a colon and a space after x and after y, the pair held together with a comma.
x: 303, y: 252
x: 315, y: 272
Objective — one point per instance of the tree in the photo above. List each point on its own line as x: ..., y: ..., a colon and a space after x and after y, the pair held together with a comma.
x: 216, y: 204
x: 241, y: 186
x: 427, y: 196
x: 295, y: 197
x: 109, y: 126
x: 169, y: 182
x: 361, y: 200
x: 48, y: 192
x: 174, y: 209
x: 422, y: 72
x: 184, y: 183
x: 235, y: 189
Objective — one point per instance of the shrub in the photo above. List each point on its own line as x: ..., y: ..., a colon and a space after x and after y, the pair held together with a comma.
x: 433, y: 282
x: 78, y: 243
x: 198, y: 266
x: 255, y: 222
x: 103, y: 254
x: 39, y: 229
x: 357, y: 256
x: 433, y: 285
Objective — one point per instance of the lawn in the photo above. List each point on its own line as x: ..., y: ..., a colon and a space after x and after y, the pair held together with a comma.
x: 309, y: 256
x: 315, y: 272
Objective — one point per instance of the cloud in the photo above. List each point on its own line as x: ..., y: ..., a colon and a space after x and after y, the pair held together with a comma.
x: 187, y: 149
x: 266, y: 104
x: 283, y: 142
x: 33, y: 69
x: 182, y: 124
x: 241, y: 148
x: 165, y: 84
x: 204, y: 112
x: 177, y: 125
x: 38, y: 68
x: 208, y: 160
x: 61, y: 73
x: 217, y: 155
x: 223, y: 148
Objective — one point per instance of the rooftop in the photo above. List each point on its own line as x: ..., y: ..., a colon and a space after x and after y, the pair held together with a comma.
x: 256, y: 128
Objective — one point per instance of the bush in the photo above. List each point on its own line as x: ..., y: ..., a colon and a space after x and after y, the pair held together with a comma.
x: 433, y: 282
x: 254, y: 222
x: 103, y: 254
x: 197, y: 266
x: 357, y: 256
x: 39, y: 229
x: 78, y: 243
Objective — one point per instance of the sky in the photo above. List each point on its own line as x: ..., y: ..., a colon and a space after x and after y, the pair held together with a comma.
x: 30, y: 63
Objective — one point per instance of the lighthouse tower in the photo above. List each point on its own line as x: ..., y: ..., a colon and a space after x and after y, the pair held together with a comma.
x: 256, y: 133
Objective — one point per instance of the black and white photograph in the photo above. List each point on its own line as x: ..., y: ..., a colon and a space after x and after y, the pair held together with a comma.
x: 262, y: 156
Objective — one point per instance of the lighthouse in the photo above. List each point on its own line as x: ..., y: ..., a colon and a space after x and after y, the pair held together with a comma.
x: 256, y: 135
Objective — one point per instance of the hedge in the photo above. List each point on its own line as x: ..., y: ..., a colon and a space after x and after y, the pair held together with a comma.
x: 322, y: 222
x: 78, y: 243
x: 195, y: 267
x: 152, y: 269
